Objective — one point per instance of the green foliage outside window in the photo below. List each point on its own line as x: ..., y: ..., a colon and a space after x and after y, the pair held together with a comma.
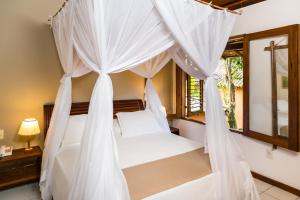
x: 230, y: 77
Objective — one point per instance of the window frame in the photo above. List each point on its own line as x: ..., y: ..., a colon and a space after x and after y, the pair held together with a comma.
x: 181, y: 77
x: 293, y: 141
x: 188, y: 97
x: 234, y: 48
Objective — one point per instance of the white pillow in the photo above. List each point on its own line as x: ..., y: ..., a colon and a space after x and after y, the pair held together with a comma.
x: 74, y: 129
x: 138, y: 123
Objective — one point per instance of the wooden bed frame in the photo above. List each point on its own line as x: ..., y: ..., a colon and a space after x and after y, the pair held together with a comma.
x: 83, y: 107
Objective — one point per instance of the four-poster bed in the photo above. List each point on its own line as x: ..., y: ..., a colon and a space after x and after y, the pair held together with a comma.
x: 182, y: 163
x: 111, y: 36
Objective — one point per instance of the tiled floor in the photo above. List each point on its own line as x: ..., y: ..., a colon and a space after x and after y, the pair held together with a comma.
x: 31, y: 192
x: 25, y: 192
x: 269, y: 192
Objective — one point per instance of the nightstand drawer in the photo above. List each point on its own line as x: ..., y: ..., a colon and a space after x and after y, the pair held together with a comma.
x: 19, y: 172
x: 6, y: 166
x: 12, y: 165
x: 20, y: 168
x: 28, y: 162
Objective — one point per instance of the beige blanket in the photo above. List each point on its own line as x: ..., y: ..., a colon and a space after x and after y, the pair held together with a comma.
x: 150, y: 178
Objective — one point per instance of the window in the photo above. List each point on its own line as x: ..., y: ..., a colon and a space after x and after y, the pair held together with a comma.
x: 230, y: 85
x: 194, y: 100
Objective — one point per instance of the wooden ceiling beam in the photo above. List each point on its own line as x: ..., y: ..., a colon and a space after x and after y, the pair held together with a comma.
x: 241, y: 3
x: 234, y: 4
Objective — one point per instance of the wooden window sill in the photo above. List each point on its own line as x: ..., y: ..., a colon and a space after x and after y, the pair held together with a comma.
x: 203, y: 123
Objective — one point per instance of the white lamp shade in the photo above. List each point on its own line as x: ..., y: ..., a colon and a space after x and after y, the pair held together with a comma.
x: 29, y: 127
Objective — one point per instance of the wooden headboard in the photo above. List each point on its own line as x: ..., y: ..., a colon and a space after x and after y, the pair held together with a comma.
x: 83, y: 107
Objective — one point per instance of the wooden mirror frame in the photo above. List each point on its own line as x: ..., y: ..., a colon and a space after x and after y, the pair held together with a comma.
x: 293, y: 140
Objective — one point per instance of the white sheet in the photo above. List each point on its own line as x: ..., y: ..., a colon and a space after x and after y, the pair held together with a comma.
x: 147, y: 148
x: 135, y: 151
x: 63, y: 170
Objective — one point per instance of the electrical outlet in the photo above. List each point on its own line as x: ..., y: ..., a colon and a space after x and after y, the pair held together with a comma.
x: 1, y: 134
x: 269, y: 154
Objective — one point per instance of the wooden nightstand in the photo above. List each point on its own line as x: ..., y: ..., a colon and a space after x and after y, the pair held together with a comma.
x: 174, y: 130
x: 20, y: 168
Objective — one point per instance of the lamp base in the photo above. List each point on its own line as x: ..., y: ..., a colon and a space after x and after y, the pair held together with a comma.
x: 29, y: 148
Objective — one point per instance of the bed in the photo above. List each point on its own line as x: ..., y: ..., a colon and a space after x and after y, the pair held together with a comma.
x: 156, y: 166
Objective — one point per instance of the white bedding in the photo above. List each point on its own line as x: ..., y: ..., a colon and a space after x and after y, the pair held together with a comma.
x: 134, y: 151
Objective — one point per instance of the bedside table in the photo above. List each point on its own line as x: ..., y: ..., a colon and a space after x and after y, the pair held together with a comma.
x: 174, y: 130
x: 20, y: 168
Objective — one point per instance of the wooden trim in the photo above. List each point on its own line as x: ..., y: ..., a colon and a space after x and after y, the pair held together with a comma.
x: 234, y: 46
x: 277, y: 47
x: 293, y: 89
x: 246, y: 124
x: 274, y: 89
x: 211, y: 4
x: 201, y: 95
x: 188, y: 95
x: 235, y: 4
x: 235, y: 42
x: 171, y: 116
x: 241, y: 4
x: 278, y: 184
x: 275, y: 140
x: 292, y: 142
x: 298, y: 90
x: 179, y: 91
x: 236, y: 131
x: 83, y: 107
x: 203, y: 123
x: 192, y: 120
x: 272, y: 32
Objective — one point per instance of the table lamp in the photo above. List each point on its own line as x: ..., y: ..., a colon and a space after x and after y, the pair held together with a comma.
x: 29, y: 128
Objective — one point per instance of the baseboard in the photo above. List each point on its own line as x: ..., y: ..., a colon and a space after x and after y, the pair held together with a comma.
x: 276, y: 183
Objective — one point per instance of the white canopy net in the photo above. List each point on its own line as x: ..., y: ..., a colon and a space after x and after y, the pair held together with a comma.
x: 110, y: 36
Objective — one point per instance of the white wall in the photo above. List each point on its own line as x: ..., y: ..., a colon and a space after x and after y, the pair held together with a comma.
x: 266, y: 15
x: 191, y: 130
x: 282, y: 165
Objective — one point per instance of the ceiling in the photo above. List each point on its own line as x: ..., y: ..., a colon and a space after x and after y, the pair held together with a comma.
x: 234, y: 47
x: 234, y: 4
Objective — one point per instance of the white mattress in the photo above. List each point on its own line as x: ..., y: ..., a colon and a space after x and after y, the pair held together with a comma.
x: 135, y: 151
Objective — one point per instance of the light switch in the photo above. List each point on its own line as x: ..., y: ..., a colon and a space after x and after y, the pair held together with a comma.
x: 1, y: 134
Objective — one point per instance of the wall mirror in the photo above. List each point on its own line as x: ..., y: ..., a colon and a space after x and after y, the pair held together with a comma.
x: 271, y: 86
